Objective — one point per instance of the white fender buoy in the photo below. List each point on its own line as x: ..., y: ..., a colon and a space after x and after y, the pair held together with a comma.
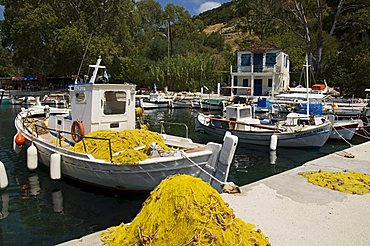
x: 32, y: 157
x: 55, y: 166
x: 273, y: 142
x: 3, y: 176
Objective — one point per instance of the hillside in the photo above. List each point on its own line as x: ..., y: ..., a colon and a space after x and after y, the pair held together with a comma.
x: 226, y: 21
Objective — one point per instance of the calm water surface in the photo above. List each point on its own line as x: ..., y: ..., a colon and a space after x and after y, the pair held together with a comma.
x: 34, y: 210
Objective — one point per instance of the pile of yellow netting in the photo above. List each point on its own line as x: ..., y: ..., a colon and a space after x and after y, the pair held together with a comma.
x: 128, y: 146
x: 183, y: 210
x: 349, y: 182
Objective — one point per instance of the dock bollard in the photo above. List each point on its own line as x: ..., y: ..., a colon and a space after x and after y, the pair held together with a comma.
x: 3, y: 177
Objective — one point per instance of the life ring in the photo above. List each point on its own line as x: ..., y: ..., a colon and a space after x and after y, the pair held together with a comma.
x: 78, y: 130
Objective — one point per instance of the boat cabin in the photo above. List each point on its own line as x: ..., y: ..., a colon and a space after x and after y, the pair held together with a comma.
x: 97, y: 107
x: 238, y: 114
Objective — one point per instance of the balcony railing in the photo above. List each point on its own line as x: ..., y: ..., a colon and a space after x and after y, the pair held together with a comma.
x: 255, y: 69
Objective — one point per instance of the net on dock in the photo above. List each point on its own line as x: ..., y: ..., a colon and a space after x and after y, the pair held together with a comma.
x: 184, y: 210
x: 348, y: 182
x: 128, y: 146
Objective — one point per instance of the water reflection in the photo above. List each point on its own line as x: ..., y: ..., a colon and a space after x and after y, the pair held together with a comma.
x: 34, y: 184
x: 57, y: 197
x: 4, y: 212
x: 273, y: 157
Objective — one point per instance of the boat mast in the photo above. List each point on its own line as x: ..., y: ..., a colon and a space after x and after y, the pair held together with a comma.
x: 307, y: 85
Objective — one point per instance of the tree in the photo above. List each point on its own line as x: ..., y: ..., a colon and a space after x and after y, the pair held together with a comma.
x: 308, y: 19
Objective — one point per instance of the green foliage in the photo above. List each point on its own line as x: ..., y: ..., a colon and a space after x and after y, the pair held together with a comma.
x: 142, y: 43
x: 187, y: 72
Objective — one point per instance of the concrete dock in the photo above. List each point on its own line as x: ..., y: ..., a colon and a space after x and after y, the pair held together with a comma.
x: 291, y: 211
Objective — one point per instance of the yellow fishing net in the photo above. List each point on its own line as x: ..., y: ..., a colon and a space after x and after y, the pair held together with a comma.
x: 128, y: 146
x: 183, y: 210
x: 349, y: 182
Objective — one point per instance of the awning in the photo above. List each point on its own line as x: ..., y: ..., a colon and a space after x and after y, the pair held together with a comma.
x: 26, y: 77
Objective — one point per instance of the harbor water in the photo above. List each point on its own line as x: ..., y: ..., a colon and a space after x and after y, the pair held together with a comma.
x: 35, y: 210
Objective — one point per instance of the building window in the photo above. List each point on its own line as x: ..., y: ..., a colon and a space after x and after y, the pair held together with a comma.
x: 115, y: 102
x: 269, y: 83
x: 245, y: 82
x: 235, y: 80
x: 270, y: 59
x: 245, y: 60
x: 286, y: 61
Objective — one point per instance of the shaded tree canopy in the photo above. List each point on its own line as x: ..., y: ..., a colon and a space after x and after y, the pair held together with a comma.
x: 142, y: 42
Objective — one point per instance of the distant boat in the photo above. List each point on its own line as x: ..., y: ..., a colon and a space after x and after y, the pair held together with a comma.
x: 155, y: 100
x: 213, y: 104
x: 4, y: 99
x: 297, y: 131
x: 55, y: 100
x: 343, y: 129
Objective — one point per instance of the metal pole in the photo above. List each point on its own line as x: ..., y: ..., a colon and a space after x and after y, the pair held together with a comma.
x: 307, y: 85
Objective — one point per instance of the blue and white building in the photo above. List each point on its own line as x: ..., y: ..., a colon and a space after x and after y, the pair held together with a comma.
x: 260, y: 73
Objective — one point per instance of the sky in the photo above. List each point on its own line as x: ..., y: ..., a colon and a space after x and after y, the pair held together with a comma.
x: 194, y: 7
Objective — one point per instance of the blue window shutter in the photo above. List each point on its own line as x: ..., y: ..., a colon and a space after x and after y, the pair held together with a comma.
x: 245, y: 60
x: 245, y: 82
x: 270, y: 59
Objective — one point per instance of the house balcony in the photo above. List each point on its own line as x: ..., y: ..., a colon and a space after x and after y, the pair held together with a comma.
x: 254, y: 69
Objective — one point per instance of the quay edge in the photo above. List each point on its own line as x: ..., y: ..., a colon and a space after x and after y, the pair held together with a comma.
x: 291, y: 211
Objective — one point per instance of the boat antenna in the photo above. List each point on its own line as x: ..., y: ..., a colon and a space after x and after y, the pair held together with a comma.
x: 83, y: 58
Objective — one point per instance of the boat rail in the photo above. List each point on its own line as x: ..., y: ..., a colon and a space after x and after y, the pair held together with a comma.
x: 162, y: 123
x: 274, y: 128
x: 59, y: 137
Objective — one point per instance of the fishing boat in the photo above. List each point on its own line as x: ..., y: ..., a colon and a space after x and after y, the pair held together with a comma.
x: 343, y: 128
x: 155, y: 100
x: 296, y: 131
x: 4, y: 99
x: 212, y: 104
x: 55, y: 100
x: 52, y: 133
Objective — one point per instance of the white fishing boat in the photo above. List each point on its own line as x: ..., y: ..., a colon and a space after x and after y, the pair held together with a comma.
x: 112, y: 107
x: 296, y: 131
x: 155, y: 100
x: 55, y: 100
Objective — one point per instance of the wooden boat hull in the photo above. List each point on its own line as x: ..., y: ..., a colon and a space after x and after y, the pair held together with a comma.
x: 306, y: 137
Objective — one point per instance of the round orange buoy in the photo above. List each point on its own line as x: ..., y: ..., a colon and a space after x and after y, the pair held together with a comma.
x: 78, y: 130
x: 19, y: 139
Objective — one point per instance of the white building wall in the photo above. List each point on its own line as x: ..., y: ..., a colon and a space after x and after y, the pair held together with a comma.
x: 279, y: 74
